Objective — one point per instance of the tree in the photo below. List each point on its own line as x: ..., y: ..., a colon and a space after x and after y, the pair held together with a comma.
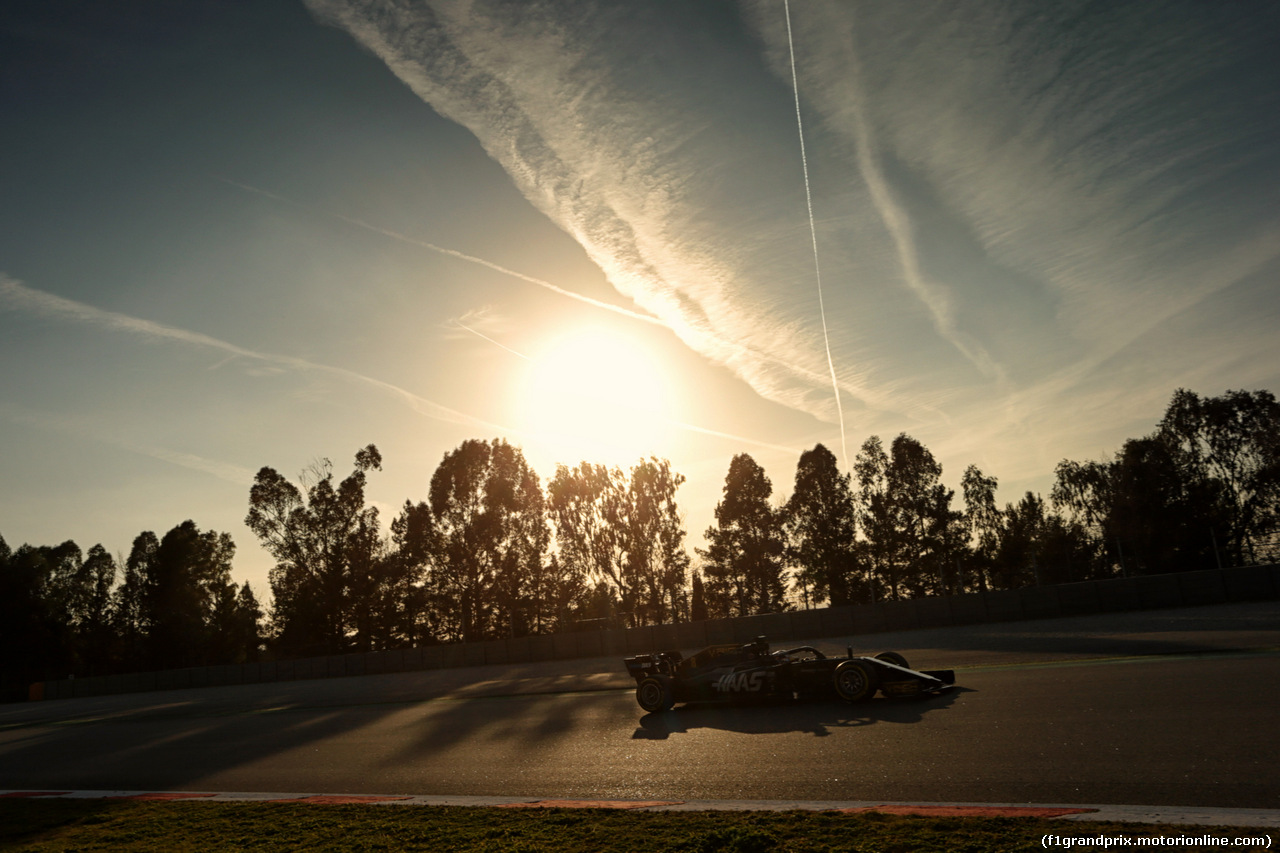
x: 912, y: 535
x: 325, y: 546
x: 127, y: 604
x: 183, y: 580
x: 698, y: 603
x: 236, y: 625
x: 91, y: 611
x: 414, y: 542
x: 491, y: 537
x: 926, y: 524
x: 585, y: 507
x: 1159, y: 516
x: 743, y: 561
x: 35, y: 631
x: 1230, y: 445
x: 983, y: 522
x: 875, y: 517
x: 624, y: 534
x: 1039, y: 547
x: 821, y: 525
x: 657, y: 562
x: 1144, y: 511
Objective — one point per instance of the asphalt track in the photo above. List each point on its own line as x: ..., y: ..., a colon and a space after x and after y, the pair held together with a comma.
x: 1170, y: 708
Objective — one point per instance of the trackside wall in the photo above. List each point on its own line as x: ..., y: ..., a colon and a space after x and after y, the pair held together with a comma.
x: 1151, y: 592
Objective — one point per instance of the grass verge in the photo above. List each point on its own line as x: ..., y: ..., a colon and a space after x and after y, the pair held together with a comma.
x: 46, y: 825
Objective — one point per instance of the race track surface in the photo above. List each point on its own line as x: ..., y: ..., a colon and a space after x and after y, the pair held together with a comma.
x: 1171, y: 708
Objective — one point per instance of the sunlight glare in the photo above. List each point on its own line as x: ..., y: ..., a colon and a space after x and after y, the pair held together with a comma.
x: 597, y: 396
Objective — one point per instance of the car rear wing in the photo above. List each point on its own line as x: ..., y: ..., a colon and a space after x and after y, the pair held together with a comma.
x: 663, y: 663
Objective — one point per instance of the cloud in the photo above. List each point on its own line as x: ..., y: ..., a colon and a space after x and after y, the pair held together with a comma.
x: 228, y: 471
x: 578, y: 110
x: 932, y: 294
x: 1013, y: 202
x: 14, y: 295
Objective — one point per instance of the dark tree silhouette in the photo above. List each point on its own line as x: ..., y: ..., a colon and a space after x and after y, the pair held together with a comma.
x: 624, y: 534
x: 926, y: 527
x: 912, y: 535
x: 983, y: 522
x: 407, y: 611
x: 874, y: 510
x: 1228, y: 448
x: 698, y: 603
x: 1203, y: 488
x: 820, y: 524
x: 325, y: 547
x: 91, y: 611
x: 743, y: 561
x: 657, y: 563
x: 585, y: 505
x: 491, y: 537
x: 35, y: 614
x: 183, y: 579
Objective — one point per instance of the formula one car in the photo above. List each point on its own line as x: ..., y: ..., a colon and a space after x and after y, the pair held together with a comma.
x: 749, y: 671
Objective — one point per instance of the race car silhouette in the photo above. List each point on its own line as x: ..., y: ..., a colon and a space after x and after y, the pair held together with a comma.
x: 745, y: 672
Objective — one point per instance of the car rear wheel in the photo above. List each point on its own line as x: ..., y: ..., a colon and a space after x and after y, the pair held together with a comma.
x: 654, y: 694
x: 855, y: 681
x: 893, y: 658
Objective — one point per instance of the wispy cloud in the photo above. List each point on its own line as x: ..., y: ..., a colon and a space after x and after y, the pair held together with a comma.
x: 14, y: 295
x: 628, y: 174
x: 227, y: 471
x: 1037, y: 188
x: 931, y: 293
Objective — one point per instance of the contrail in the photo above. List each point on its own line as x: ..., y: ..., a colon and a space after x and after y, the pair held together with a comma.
x: 230, y: 472
x: 483, y: 336
x: 454, y: 253
x: 18, y: 295
x: 813, y: 232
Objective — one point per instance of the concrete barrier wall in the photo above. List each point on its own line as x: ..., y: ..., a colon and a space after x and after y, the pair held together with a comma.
x: 1149, y: 592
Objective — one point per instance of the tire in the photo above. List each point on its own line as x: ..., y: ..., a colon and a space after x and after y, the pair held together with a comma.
x: 654, y: 694
x: 894, y: 658
x: 855, y: 681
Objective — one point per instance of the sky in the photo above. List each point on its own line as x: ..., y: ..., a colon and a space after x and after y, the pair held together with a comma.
x: 236, y: 235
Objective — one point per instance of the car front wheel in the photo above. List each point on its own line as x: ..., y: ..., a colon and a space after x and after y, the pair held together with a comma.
x: 855, y: 681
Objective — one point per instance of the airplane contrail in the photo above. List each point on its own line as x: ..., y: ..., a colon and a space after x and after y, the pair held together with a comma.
x: 454, y: 253
x: 813, y: 232
x: 483, y: 336
x: 227, y: 471
x: 17, y: 295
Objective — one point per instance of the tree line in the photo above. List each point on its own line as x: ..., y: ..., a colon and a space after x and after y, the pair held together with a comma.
x: 493, y: 553
x: 171, y: 603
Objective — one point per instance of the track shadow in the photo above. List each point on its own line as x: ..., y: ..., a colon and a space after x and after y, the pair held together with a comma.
x: 520, y: 723
x: 816, y: 718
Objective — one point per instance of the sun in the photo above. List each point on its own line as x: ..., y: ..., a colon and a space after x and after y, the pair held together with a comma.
x: 598, y: 396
